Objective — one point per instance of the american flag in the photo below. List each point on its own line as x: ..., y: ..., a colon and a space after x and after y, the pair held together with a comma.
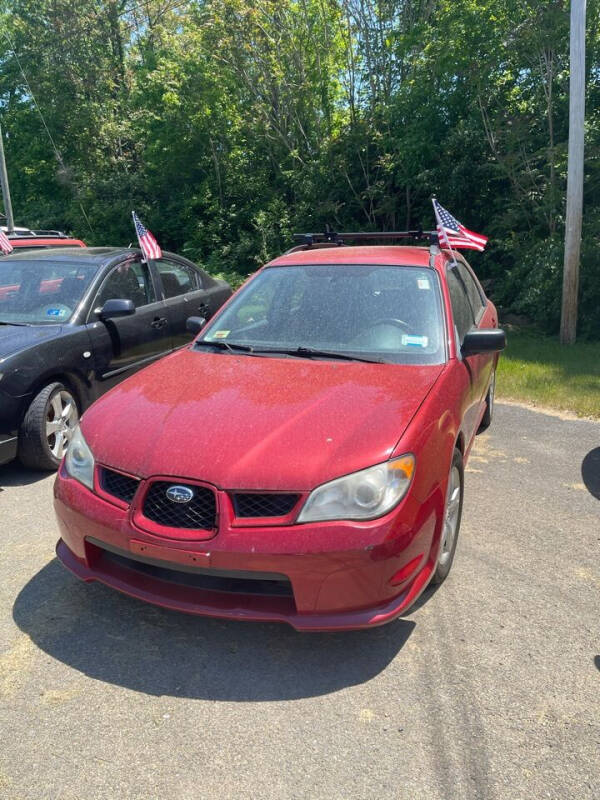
x: 453, y: 234
x: 149, y: 245
x: 5, y: 245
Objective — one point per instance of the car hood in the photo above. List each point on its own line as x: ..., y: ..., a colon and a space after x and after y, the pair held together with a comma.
x: 17, y: 337
x: 245, y: 422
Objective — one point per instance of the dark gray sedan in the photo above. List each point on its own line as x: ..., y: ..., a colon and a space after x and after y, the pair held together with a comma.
x: 74, y: 323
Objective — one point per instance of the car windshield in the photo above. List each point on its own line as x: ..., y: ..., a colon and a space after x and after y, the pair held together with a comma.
x: 380, y: 313
x: 40, y: 291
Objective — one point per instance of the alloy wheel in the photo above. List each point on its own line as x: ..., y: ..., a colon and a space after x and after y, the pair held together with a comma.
x: 451, y: 516
x: 61, y: 420
x: 491, y: 393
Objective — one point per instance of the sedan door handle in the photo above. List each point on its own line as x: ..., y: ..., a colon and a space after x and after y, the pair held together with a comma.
x: 159, y: 322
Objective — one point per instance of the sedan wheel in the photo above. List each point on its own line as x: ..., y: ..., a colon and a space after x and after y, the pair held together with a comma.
x: 452, y: 516
x: 61, y: 420
x: 48, y: 427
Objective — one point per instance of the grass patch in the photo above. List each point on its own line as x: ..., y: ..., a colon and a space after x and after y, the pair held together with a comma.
x: 537, y: 369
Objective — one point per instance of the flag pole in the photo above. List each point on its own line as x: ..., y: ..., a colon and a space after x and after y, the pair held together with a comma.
x: 439, y: 225
x: 144, y: 260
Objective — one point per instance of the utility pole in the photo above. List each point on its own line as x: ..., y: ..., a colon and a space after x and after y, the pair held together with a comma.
x: 568, y: 320
x: 10, y: 222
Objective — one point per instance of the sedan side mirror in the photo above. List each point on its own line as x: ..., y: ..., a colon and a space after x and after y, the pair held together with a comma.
x: 485, y: 340
x: 195, y: 324
x: 117, y: 308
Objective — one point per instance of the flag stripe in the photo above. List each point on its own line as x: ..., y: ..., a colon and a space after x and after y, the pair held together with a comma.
x: 458, y: 241
x: 476, y: 237
x: 464, y: 244
x: 5, y: 245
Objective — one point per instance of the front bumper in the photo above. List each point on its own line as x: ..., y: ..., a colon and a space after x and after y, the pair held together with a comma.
x: 341, y: 575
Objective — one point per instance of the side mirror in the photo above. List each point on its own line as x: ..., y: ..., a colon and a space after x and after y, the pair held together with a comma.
x: 194, y: 324
x: 486, y: 340
x: 117, y: 308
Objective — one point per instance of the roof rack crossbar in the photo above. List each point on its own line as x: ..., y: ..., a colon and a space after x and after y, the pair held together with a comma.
x: 37, y: 234
x: 332, y: 237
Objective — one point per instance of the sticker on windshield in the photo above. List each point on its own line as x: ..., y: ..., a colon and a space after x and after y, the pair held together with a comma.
x: 423, y: 283
x: 221, y: 334
x: 414, y: 341
x: 56, y: 312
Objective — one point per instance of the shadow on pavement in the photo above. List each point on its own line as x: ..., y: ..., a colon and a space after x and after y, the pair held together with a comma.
x: 125, y: 642
x: 590, y: 472
x: 13, y: 474
x: 423, y: 598
x: 597, y: 661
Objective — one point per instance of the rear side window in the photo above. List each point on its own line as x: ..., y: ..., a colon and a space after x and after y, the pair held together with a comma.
x: 461, y: 308
x: 177, y: 278
x: 473, y: 293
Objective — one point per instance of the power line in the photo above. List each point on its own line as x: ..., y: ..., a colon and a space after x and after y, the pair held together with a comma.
x: 47, y: 129
x: 35, y: 102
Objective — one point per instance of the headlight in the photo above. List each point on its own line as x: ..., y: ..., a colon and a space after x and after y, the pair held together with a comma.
x: 79, y: 461
x: 367, y: 494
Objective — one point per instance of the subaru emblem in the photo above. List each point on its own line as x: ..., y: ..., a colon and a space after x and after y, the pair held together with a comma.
x: 180, y: 494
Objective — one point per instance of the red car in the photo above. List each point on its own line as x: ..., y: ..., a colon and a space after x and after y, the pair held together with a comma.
x: 25, y: 239
x: 302, y: 461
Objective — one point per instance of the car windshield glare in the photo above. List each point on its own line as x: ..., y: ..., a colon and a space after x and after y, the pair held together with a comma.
x: 40, y: 291
x: 384, y: 313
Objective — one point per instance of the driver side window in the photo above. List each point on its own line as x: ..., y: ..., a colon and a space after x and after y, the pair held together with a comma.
x: 461, y: 308
x: 127, y: 281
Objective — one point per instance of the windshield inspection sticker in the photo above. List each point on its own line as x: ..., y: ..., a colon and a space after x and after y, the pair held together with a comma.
x: 423, y: 283
x: 221, y: 334
x: 414, y: 341
x: 56, y: 312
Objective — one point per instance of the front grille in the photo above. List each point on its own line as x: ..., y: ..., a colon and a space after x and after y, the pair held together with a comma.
x: 264, y: 505
x: 199, y: 513
x: 270, y: 585
x: 117, y: 484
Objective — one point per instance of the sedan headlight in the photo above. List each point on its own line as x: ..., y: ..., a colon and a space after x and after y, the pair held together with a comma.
x: 367, y: 494
x: 79, y: 461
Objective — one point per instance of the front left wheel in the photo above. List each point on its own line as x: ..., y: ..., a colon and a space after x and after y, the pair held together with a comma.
x: 47, y: 427
x: 452, y: 517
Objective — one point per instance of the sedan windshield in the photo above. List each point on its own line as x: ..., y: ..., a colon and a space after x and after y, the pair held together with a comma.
x: 375, y: 313
x: 41, y: 292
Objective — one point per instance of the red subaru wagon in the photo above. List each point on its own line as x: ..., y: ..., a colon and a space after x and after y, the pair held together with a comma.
x: 302, y: 460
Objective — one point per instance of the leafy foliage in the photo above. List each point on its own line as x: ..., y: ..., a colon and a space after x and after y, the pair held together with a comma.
x: 228, y: 124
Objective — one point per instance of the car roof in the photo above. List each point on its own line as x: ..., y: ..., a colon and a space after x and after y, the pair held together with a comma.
x: 367, y: 255
x: 94, y: 255
x: 98, y: 256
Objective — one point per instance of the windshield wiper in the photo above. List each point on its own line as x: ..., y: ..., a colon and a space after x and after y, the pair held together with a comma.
x: 4, y: 322
x: 311, y: 352
x: 221, y: 345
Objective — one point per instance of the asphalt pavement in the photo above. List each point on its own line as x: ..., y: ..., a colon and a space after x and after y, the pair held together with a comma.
x: 490, y: 688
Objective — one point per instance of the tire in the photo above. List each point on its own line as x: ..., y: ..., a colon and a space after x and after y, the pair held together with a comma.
x: 47, y: 427
x: 488, y: 415
x: 452, y: 517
